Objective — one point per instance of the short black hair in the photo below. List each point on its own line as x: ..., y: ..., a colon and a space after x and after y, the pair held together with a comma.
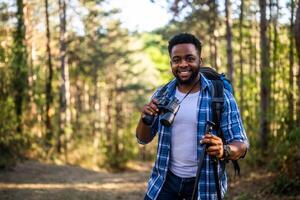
x: 182, y: 38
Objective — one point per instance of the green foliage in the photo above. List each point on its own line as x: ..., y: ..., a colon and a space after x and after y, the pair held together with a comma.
x: 286, y: 186
x: 254, y: 157
x: 9, y: 142
x: 286, y: 163
x: 156, y: 48
x: 12, y: 145
x: 286, y: 156
x: 116, y: 160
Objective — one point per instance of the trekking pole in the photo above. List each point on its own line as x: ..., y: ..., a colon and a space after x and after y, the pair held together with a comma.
x: 217, y: 182
x: 209, y: 127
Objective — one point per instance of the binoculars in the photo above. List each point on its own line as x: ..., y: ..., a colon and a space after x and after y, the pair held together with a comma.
x: 167, y: 109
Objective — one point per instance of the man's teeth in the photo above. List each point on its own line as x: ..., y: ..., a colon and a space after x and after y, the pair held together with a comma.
x: 184, y: 71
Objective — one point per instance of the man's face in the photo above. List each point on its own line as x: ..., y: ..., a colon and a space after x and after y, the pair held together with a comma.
x: 185, y: 63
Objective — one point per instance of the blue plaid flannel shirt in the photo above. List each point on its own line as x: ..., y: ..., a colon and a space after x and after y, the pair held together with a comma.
x: 231, y: 125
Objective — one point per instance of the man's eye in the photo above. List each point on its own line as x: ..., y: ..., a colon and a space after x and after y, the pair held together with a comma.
x: 190, y: 59
x: 176, y: 60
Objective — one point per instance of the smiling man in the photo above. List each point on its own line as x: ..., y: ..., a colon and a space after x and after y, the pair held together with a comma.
x: 181, y: 143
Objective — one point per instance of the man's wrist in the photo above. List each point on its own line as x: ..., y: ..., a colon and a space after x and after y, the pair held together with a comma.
x: 226, y: 152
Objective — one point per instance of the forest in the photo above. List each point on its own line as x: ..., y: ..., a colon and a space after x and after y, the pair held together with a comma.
x: 73, y: 81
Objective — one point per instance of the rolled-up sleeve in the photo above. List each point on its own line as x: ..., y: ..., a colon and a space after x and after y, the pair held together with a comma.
x: 231, y: 122
x: 154, y: 128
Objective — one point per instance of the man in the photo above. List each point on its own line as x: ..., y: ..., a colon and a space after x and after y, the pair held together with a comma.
x: 179, y: 146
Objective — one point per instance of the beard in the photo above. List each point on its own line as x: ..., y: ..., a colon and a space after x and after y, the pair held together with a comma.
x: 189, y: 80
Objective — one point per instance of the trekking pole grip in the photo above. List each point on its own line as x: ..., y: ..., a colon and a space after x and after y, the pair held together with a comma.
x: 209, y: 128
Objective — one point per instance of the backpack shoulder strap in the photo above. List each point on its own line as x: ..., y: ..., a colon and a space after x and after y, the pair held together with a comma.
x: 217, y: 102
x: 217, y: 108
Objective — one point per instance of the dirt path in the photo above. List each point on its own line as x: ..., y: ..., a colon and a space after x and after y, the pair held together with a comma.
x: 32, y: 180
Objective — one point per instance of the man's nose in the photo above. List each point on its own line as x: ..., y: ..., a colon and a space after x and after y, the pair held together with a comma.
x: 183, y: 63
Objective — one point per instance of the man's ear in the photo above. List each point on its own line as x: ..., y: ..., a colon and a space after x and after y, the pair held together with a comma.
x: 200, y: 61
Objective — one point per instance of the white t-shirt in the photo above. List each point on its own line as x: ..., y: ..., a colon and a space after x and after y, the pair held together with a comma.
x: 183, y: 160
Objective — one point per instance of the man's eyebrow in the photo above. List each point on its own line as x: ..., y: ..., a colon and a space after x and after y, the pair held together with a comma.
x: 190, y: 55
x: 184, y: 55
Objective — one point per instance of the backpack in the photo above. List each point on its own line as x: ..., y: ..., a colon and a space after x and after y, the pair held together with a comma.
x: 219, y: 82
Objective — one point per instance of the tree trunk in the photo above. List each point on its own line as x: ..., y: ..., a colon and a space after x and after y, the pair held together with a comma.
x: 49, y: 97
x: 291, y: 67
x: 241, y: 61
x: 86, y: 97
x: 230, y: 67
x: 96, y: 119
x: 65, y: 114
x: 265, y: 78
x: 109, y: 118
x: 119, y: 124
x: 78, y: 101
x: 273, y: 42
x: 27, y: 10
x: 213, y: 43
x: 297, y: 38
x: 119, y: 116
x: 19, y: 65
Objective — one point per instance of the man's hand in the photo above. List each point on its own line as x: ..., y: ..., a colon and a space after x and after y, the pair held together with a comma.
x: 214, y: 145
x: 143, y: 130
x: 150, y: 108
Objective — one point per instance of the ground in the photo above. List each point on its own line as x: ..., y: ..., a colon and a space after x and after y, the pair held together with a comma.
x: 32, y: 180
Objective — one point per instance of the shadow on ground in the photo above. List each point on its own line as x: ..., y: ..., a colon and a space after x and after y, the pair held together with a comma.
x: 33, y: 180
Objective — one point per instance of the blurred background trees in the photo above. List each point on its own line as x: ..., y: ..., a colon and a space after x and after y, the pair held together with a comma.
x: 72, y: 79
